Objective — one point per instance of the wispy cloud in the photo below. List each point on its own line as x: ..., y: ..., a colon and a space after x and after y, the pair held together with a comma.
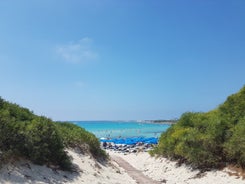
x: 77, y: 52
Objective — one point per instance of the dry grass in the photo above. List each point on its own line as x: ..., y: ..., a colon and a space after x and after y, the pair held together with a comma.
x: 236, y: 171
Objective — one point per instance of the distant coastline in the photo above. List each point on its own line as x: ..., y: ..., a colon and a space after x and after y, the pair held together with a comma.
x: 164, y: 121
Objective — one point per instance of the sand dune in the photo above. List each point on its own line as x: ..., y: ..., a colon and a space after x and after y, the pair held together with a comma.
x: 89, y: 171
x: 166, y: 171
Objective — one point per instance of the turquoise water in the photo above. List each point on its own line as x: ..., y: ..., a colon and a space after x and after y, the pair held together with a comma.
x: 116, y: 129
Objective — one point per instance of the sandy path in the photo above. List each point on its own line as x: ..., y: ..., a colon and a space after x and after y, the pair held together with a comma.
x: 133, y: 172
x: 166, y: 171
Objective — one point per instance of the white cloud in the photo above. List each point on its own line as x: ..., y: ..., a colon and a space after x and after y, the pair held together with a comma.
x: 77, y: 52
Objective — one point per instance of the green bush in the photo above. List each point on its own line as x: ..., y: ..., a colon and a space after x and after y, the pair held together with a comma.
x: 44, y: 144
x: 194, y: 139
x: 233, y: 109
x: 210, y: 139
x: 235, y: 146
x: 40, y: 139
x: 73, y: 136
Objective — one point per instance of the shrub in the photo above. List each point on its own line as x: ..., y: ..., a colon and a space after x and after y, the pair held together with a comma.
x: 208, y: 139
x: 44, y: 144
x: 233, y: 109
x: 40, y: 139
x: 195, y: 139
x: 73, y: 136
x: 235, y: 146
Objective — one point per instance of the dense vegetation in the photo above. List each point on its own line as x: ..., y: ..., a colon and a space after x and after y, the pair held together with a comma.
x: 207, y: 140
x: 39, y: 139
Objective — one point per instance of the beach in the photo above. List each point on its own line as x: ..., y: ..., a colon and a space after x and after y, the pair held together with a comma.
x: 166, y: 171
x: 88, y: 170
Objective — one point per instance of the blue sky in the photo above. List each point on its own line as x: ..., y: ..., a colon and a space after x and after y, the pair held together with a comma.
x: 121, y: 59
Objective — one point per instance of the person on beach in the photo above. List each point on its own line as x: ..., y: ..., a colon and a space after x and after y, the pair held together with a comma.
x: 104, y: 144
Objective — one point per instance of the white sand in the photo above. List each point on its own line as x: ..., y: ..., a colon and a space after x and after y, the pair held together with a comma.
x: 89, y: 172
x: 162, y: 169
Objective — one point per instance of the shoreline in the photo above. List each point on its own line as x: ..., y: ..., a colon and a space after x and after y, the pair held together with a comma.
x: 116, y: 129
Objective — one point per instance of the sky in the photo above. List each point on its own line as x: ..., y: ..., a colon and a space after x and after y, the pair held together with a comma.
x: 121, y: 59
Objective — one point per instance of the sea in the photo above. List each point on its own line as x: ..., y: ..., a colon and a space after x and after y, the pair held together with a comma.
x: 123, y: 129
